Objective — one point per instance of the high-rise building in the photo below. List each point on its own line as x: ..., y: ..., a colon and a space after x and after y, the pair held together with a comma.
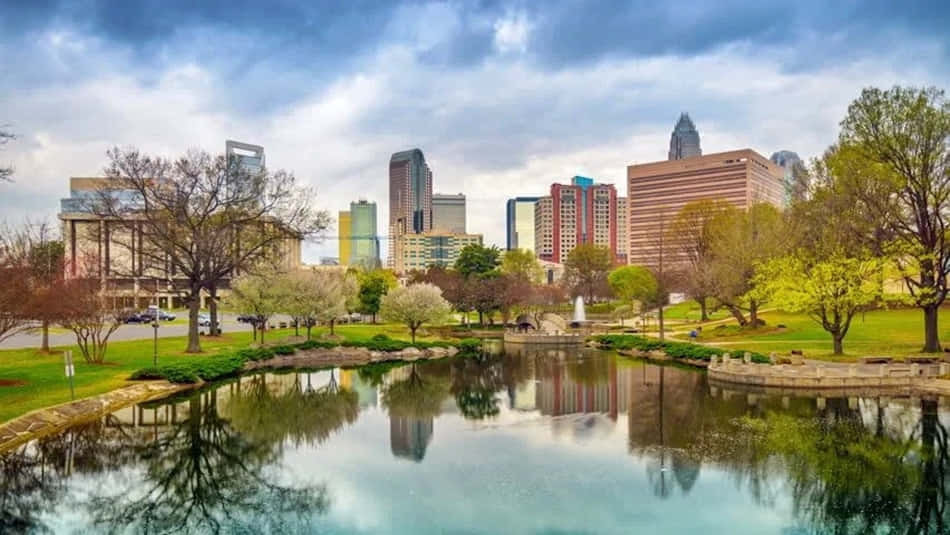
x: 344, y: 237
x: 448, y: 213
x: 657, y: 191
x: 410, y: 198
x: 622, y: 230
x: 419, y: 251
x: 249, y: 157
x: 365, y: 240
x: 580, y: 212
x: 796, y: 176
x: 520, y: 223
x: 684, y: 142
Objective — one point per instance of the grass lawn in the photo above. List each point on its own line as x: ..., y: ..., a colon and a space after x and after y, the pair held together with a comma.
x: 688, y: 312
x: 882, y: 332
x: 39, y: 379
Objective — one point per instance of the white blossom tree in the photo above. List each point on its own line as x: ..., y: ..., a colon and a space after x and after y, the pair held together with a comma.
x: 414, y: 306
x: 261, y: 294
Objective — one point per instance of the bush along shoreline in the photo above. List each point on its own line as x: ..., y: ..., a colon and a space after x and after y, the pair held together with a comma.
x: 213, y: 367
x: 675, y: 350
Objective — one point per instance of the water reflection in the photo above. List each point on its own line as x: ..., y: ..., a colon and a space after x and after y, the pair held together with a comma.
x: 216, y: 461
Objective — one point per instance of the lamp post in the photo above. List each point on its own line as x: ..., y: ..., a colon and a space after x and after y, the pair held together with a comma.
x: 155, y: 345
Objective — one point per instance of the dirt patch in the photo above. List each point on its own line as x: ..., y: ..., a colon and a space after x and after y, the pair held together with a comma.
x: 11, y: 382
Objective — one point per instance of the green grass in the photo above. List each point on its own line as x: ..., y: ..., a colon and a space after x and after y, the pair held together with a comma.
x: 882, y: 332
x: 44, y: 383
x: 688, y: 311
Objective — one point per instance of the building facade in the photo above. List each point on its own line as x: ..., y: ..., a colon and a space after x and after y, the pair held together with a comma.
x: 448, y: 213
x: 344, y: 237
x: 622, y: 230
x: 116, y: 251
x: 364, y: 236
x: 796, y: 176
x: 250, y: 158
x: 684, y: 141
x: 657, y: 191
x: 576, y: 213
x: 520, y: 223
x: 410, y: 198
x: 419, y: 251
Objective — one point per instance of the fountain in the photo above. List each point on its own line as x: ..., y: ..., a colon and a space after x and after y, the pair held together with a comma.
x: 580, y: 316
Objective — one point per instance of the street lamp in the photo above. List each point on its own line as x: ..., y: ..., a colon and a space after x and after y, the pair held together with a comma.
x: 155, y: 346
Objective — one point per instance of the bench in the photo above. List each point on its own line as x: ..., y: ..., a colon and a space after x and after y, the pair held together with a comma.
x: 876, y: 360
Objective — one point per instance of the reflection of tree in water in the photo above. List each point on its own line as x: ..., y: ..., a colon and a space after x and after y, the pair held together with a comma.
x: 303, y: 414
x: 849, y: 479
x: 475, y: 381
x: 33, y: 478
x: 203, y: 475
x: 413, y: 402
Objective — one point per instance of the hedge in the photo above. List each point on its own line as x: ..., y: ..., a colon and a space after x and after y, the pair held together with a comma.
x: 679, y: 350
x: 215, y: 367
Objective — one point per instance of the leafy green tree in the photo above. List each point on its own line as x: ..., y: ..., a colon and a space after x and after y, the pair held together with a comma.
x: 740, y: 241
x: 586, y: 271
x: 522, y: 263
x: 414, y: 306
x: 829, y: 290
x: 373, y: 285
x: 476, y: 259
x: 894, y: 159
x: 637, y: 286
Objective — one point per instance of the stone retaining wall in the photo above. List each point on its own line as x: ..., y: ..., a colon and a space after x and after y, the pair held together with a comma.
x: 543, y: 339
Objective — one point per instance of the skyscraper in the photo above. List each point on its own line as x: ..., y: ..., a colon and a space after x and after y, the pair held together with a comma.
x: 448, y: 213
x: 344, y: 237
x: 520, y: 223
x: 410, y: 197
x: 575, y: 213
x: 363, y: 233
x: 657, y: 191
x: 684, y: 142
x: 249, y: 158
x: 796, y: 176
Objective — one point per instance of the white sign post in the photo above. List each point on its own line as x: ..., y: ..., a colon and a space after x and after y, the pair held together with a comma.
x: 70, y: 372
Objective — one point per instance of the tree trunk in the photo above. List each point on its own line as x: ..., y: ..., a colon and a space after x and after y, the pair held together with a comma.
x: 374, y: 318
x: 412, y: 332
x: 254, y: 331
x: 754, y: 314
x: 44, y: 344
x: 263, y: 328
x: 931, y: 334
x: 308, y: 329
x: 838, y: 343
x: 213, y: 330
x: 194, y: 342
x: 296, y: 326
x: 659, y: 317
x: 481, y: 319
x: 703, y: 311
x: 332, y: 323
x: 737, y: 313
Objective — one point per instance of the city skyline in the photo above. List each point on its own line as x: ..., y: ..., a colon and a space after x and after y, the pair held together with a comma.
x: 501, y: 105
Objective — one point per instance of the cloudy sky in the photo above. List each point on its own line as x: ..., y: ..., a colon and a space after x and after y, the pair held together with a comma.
x: 503, y: 97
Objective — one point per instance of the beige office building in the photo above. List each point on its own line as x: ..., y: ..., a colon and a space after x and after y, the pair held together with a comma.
x: 116, y: 250
x: 657, y: 191
x: 419, y: 251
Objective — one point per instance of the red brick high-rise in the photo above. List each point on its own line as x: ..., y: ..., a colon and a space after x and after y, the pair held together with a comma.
x: 576, y: 213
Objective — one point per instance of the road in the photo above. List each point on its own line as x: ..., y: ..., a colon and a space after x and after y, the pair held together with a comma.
x: 133, y: 331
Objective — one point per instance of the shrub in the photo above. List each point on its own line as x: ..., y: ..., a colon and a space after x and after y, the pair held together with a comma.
x: 146, y: 373
x: 469, y: 345
x: 316, y: 344
x: 379, y: 337
x: 285, y: 350
x: 679, y: 350
x: 179, y: 373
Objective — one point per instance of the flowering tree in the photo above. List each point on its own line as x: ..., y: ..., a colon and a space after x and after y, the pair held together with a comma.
x: 414, y: 305
x: 261, y: 294
x: 86, y: 310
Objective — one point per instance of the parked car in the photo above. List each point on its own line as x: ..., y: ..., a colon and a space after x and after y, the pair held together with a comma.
x: 204, y: 320
x: 247, y: 318
x: 153, y: 311
x: 135, y: 317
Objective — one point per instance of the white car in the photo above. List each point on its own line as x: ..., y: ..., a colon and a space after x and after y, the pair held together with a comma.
x: 204, y: 320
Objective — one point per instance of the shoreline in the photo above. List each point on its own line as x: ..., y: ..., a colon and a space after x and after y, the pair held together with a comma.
x: 50, y: 420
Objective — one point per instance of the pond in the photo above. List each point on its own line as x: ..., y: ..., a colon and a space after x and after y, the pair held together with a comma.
x: 552, y: 441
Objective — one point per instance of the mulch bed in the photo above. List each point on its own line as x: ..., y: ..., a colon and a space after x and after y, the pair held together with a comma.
x: 11, y: 382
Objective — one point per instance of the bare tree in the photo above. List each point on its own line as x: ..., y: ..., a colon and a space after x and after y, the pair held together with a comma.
x: 203, y: 219
x: 14, y: 274
x: 6, y: 173
x: 91, y: 314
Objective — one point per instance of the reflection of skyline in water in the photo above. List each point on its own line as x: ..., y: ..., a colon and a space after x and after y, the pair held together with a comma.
x: 855, y: 464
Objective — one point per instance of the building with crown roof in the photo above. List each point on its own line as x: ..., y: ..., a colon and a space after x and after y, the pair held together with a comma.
x: 684, y: 142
